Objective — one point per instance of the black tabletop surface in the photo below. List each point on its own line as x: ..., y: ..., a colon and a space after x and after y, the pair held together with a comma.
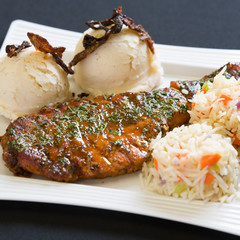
x: 202, y: 23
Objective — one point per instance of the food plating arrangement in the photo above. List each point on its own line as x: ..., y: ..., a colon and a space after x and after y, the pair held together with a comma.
x: 183, y: 140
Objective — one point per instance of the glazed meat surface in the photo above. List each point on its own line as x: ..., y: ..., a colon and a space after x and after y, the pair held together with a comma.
x: 96, y: 138
x: 92, y: 138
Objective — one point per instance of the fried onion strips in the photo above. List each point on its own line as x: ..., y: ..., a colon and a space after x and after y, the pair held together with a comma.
x: 13, y: 50
x: 43, y: 45
x: 112, y: 25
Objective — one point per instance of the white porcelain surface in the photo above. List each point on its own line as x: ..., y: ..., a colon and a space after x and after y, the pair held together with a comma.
x: 124, y: 193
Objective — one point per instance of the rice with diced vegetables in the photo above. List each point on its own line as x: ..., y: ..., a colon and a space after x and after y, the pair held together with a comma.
x: 193, y: 162
x: 218, y: 104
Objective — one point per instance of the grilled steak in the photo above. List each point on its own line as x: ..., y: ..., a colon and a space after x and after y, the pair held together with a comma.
x: 96, y: 138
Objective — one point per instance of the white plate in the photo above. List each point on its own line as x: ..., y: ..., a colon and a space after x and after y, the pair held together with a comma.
x: 124, y: 193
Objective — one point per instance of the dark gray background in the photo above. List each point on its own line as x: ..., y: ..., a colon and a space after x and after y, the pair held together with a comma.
x: 202, y: 23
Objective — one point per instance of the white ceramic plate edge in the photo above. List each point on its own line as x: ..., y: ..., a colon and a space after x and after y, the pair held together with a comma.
x: 225, y: 217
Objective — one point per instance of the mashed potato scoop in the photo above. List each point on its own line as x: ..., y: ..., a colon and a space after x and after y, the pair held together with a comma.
x: 29, y: 81
x: 124, y: 59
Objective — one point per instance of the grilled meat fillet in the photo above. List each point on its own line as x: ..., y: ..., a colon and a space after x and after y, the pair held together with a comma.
x: 92, y: 138
x: 96, y: 138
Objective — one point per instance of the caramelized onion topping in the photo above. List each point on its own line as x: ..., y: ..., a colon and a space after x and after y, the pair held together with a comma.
x: 13, y: 50
x: 112, y: 25
x: 43, y: 45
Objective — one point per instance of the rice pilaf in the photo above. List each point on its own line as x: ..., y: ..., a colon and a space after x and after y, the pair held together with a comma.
x: 200, y: 161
